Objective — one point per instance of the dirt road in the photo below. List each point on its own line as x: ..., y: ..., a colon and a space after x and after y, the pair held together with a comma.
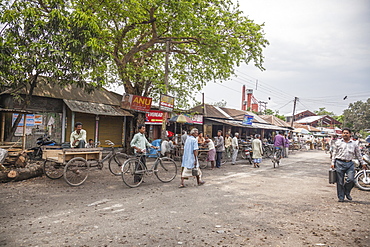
x: 292, y: 205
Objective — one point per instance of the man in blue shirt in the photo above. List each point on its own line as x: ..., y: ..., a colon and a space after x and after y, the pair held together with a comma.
x: 190, y: 158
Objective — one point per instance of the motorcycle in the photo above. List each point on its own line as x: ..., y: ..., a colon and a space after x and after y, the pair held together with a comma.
x: 362, y: 176
x: 246, y: 153
x: 36, y: 152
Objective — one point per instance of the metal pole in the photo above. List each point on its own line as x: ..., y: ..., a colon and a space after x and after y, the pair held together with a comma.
x: 295, y: 102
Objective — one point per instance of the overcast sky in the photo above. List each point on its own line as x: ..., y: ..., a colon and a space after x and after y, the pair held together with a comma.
x: 319, y: 52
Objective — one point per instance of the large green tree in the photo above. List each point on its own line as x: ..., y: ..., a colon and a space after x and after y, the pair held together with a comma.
x: 357, y: 116
x: 46, y: 38
x: 206, y: 40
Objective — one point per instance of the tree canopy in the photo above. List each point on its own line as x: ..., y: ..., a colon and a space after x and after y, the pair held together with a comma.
x: 357, y: 116
x: 322, y: 111
x: 124, y: 42
x: 207, y: 39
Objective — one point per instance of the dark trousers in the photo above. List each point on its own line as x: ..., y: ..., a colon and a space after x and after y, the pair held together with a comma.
x: 138, y: 177
x: 218, y: 159
x: 344, y: 187
x: 81, y: 144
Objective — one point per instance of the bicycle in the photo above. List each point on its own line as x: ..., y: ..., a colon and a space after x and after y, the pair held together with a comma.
x: 277, y: 157
x: 204, y: 163
x: 133, y: 170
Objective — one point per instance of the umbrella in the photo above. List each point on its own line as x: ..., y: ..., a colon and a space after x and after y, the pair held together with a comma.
x: 181, y: 119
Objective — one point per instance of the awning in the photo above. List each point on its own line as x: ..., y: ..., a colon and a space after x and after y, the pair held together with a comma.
x: 95, y: 108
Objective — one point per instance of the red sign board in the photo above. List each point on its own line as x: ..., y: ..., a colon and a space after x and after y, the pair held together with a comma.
x: 154, y: 117
x: 136, y: 103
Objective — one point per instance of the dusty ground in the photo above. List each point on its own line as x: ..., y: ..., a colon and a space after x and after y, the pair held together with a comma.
x: 292, y: 205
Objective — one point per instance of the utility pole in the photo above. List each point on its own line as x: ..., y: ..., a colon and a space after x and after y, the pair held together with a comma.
x: 295, y: 103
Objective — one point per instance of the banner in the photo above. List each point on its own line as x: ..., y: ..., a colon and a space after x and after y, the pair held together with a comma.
x: 30, y: 120
x: 154, y: 117
x: 166, y: 103
x: 248, y: 119
x: 197, y: 119
x: 136, y: 103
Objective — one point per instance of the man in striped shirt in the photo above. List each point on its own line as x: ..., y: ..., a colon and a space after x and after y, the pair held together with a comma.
x: 344, y: 151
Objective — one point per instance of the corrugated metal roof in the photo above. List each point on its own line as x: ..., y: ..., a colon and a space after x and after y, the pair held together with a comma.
x: 275, y: 120
x: 253, y: 126
x: 95, y: 108
x: 72, y: 92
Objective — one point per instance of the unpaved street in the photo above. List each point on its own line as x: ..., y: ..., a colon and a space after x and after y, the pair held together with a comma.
x: 292, y: 205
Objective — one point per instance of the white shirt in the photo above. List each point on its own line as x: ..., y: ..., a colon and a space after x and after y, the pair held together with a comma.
x: 211, y: 144
x: 234, y: 142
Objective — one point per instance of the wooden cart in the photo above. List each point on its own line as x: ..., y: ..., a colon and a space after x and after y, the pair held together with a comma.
x: 73, y: 164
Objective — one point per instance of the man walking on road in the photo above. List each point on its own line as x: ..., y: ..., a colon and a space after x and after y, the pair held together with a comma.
x: 344, y: 151
x: 190, y: 158
x: 235, y: 147
x: 219, y: 143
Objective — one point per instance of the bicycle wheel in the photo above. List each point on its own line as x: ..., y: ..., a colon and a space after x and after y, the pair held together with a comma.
x: 202, y: 159
x: 133, y: 172
x: 243, y: 155
x: 362, y: 181
x: 165, y: 170
x: 116, y: 162
x: 53, y: 170
x: 76, y: 171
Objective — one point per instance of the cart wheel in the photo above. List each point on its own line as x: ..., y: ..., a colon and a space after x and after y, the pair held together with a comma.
x: 76, y: 171
x: 53, y: 170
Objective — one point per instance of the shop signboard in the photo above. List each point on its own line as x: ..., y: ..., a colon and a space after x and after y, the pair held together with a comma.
x: 154, y: 117
x: 136, y: 103
x: 166, y: 103
x: 197, y: 119
x: 248, y: 119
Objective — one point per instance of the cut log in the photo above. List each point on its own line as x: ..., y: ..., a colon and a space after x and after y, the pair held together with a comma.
x: 18, y: 174
x: 12, y: 174
x: 21, y: 162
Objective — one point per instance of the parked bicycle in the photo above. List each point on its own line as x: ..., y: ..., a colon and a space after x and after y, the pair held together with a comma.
x: 133, y: 170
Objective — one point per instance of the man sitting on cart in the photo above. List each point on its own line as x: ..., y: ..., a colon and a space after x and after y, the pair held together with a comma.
x: 78, y: 136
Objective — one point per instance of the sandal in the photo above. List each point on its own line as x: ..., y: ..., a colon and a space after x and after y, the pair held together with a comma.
x: 181, y: 186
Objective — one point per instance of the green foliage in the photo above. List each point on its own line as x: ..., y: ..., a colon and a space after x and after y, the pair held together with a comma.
x: 46, y: 38
x: 357, y: 116
x: 276, y: 114
x: 208, y: 38
x: 322, y: 112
